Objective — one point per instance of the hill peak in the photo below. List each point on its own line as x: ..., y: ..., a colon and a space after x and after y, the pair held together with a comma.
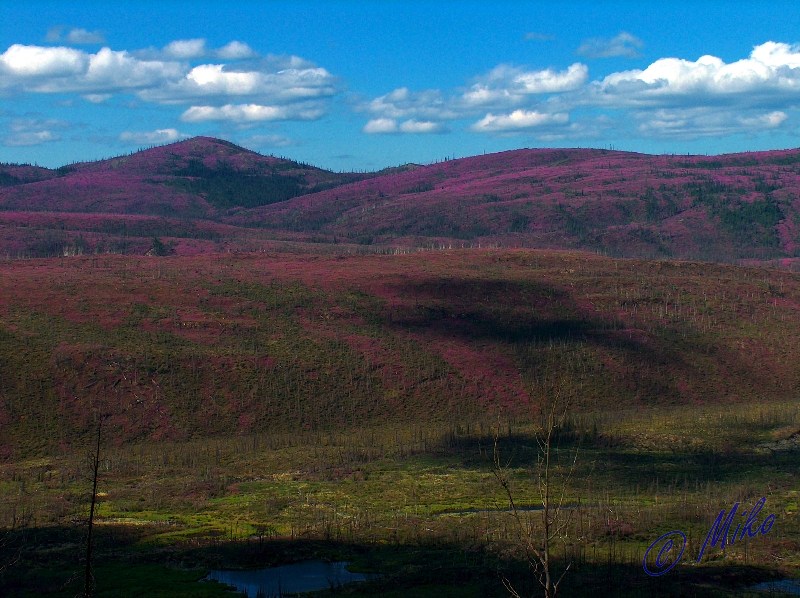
x: 181, y: 157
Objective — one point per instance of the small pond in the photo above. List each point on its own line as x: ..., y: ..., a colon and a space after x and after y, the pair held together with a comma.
x: 307, y: 576
x: 786, y: 586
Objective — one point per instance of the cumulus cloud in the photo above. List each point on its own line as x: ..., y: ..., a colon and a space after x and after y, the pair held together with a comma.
x: 29, y: 62
x: 390, y: 125
x: 243, y: 113
x: 668, y: 98
x: 381, y: 126
x: 96, y: 98
x: 549, y: 81
x: 152, y: 137
x: 197, y: 48
x: 30, y: 138
x: 110, y: 70
x: 82, y: 36
x: 421, y: 126
x: 770, y: 73
x: 75, y: 36
x: 692, y: 123
x: 31, y: 131
x: 506, y: 86
x: 54, y: 34
x: 217, y: 80
x: 62, y: 69
x: 267, y: 141
x: 403, y: 103
x: 624, y: 44
x: 266, y: 88
x: 184, y: 49
x: 518, y: 120
x: 767, y: 121
x: 235, y: 51
x: 503, y: 88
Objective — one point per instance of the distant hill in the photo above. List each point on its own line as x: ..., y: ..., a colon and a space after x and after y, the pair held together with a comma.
x: 19, y: 174
x: 198, y: 178
x: 722, y: 208
x: 719, y: 208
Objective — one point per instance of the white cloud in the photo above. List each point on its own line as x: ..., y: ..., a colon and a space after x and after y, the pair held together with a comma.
x: 403, y: 103
x: 184, y: 49
x: 74, y: 36
x: 503, y: 88
x: 54, y: 34
x: 243, y: 113
x: 213, y: 79
x: 770, y: 73
x: 82, y: 36
x: 542, y: 81
x: 624, y: 44
x: 692, y: 123
x: 152, y: 137
x: 550, y: 81
x: 216, y: 80
x: 671, y: 97
x: 23, y: 62
x: 110, y: 70
x: 31, y: 131
x: 381, y: 125
x: 776, y: 54
x: 518, y: 120
x: 30, y: 138
x: 506, y: 86
x: 267, y: 141
x: 767, y: 121
x: 96, y: 98
x: 412, y: 126
x: 61, y: 69
x: 268, y: 84
x: 421, y: 126
x: 235, y: 51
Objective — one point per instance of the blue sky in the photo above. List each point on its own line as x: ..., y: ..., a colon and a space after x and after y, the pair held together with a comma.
x: 352, y: 85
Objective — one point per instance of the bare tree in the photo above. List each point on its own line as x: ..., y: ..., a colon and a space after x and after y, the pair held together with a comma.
x: 553, y: 483
x: 12, y: 541
x: 88, y: 584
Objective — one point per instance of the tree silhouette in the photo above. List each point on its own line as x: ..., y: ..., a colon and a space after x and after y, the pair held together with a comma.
x: 553, y: 483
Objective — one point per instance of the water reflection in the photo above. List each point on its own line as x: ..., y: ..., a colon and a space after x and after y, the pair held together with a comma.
x: 307, y: 576
x: 784, y: 586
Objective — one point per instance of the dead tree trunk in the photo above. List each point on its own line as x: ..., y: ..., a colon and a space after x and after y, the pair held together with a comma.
x: 88, y: 583
x: 555, y: 518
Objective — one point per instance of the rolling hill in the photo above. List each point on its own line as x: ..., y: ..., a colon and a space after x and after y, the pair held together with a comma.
x: 198, y: 178
x: 722, y: 208
x: 185, y: 347
x: 349, y: 384
x: 203, y: 195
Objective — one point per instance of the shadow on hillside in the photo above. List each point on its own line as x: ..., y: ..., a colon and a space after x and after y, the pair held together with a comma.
x: 503, y: 311
x: 529, y: 315
x: 618, y: 458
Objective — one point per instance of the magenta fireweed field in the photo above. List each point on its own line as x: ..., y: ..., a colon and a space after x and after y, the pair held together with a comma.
x: 271, y: 362
x: 731, y: 208
x: 259, y: 408
x: 391, y: 299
